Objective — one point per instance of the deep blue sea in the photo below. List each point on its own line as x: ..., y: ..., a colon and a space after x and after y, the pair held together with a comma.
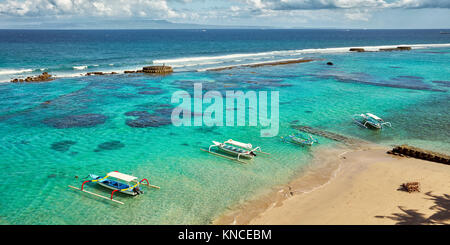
x: 77, y: 125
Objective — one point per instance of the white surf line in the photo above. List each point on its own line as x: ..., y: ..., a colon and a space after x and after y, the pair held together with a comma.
x: 200, y: 60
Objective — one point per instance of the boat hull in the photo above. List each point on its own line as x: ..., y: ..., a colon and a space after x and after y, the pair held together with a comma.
x: 128, y: 192
x: 234, y: 153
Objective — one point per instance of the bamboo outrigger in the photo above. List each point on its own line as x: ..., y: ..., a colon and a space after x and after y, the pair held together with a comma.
x: 113, y: 181
x: 235, y: 150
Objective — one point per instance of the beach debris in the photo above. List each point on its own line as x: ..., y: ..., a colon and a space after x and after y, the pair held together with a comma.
x: 406, y: 150
x: 410, y: 187
x: 44, y: 77
x: 72, y: 121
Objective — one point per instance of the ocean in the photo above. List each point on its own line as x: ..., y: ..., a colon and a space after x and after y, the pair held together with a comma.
x: 53, y: 134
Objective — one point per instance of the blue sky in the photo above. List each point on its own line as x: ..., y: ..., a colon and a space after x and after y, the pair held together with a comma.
x: 275, y: 13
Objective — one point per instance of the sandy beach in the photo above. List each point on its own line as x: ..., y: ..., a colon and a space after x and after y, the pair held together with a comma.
x: 356, y: 187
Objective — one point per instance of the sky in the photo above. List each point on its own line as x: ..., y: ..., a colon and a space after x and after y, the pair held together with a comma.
x: 380, y: 14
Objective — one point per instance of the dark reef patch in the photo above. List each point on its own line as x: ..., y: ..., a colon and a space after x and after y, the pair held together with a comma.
x: 62, y: 146
x: 145, y: 119
x: 164, y: 111
x: 442, y: 83
x: 72, y: 121
x: 309, y: 111
x: 148, y: 121
x: 109, y: 145
x: 137, y: 113
x: 407, y: 82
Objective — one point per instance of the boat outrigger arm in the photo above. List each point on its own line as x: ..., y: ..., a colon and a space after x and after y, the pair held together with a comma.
x: 120, y: 176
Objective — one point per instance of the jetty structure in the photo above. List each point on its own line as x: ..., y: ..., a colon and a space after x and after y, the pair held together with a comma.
x: 411, y: 151
x: 162, y: 70
x: 157, y: 69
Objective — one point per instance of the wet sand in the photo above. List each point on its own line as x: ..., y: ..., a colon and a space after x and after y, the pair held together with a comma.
x: 348, y: 187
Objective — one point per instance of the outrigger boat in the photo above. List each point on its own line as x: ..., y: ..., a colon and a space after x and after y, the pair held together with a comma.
x: 300, y: 139
x: 369, y: 120
x: 236, y: 149
x: 118, y: 182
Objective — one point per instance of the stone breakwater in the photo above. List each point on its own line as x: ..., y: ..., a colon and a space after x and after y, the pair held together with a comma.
x: 411, y: 151
x: 44, y: 77
x: 275, y: 63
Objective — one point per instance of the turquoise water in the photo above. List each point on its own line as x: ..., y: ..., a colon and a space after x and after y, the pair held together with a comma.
x: 45, y: 142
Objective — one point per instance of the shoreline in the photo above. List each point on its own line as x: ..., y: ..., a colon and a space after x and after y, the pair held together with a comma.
x: 346, y: 186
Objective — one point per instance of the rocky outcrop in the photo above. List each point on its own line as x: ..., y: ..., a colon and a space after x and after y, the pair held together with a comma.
x: 138, y: 71
x: 399, y: 48
x: 356, y: 50
x: 406, y: 150
x: 44, y: 77
x: 99, y: 73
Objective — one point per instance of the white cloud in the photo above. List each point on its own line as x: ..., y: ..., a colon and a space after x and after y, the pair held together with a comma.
x: 344, y: 4
x: 119, y: 8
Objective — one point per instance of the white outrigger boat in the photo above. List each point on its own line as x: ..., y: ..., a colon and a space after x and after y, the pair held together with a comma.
x: 236, y: 149
x: 369, y: 120
x: 118, y: 182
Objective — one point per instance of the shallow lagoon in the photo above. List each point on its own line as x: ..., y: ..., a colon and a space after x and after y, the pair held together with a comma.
x: 52, y: 132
